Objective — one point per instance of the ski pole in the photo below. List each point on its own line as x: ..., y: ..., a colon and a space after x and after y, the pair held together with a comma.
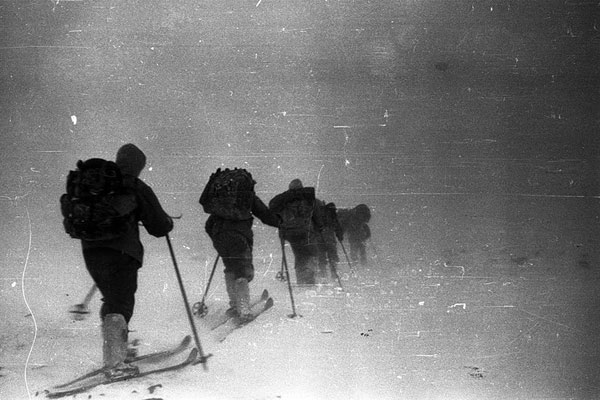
x: 331, y: 264
x: 279, y: 275
x: 203, y: 357
x: 200, y: 309
x: 346, y: 254
x: 334, y: 270
x: 287, y: 274
x: 90, y: 294
x: 80, y: 310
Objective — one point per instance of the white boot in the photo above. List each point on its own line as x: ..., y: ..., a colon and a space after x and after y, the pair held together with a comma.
x: 243, y: 299
x: 232, y: 293
x: 114, y: 332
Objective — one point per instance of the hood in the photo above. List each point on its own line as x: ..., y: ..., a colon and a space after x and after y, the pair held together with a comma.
x: 131, y: 160
x: 295, y: 184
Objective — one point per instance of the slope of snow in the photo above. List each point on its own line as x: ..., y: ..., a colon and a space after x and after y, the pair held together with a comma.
x: 458, y: 311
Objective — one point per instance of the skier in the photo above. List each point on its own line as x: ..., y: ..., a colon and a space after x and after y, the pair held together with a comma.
x: 301, y: 225
x: 230, y: 200
x: 355, y: 226
x: 332, y: 229
x: 114, y: 263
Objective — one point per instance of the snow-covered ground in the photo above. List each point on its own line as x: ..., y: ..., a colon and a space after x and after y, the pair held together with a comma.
x: 458, y: 302
x: 482, y: 178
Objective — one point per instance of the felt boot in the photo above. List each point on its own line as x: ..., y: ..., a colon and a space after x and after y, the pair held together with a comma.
x: 243, y: 299
x: 232, y: 293
x: 114, y: 349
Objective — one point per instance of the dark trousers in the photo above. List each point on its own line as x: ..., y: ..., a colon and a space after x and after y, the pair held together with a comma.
x: 115, y: 274
x: 236, y: 251
x: 306, y: 253
x: 328, y: 251
x: 358, y: 250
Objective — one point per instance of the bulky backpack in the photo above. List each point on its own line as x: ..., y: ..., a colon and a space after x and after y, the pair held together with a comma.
x: 97, y: 206
x: 362, y: 213
x: 297, y: 213
x: 229, y: 194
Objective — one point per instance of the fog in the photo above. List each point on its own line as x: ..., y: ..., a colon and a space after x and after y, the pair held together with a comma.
x: 468, y: 127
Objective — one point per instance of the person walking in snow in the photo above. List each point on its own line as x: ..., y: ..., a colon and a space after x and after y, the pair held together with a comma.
x: 114, y: 263
x: 301, y: 226
x: 355, y: 225
x: 230, y: 200
x: 332, y: 230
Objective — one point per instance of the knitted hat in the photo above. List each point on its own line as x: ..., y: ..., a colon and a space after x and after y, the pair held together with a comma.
x: 131, y: 160
x: 296, y: 184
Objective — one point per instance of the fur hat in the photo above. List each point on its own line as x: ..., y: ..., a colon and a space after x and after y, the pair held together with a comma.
x: 296, y: 184
x: 131, y: 160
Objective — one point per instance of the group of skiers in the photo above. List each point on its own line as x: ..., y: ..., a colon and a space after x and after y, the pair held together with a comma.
x: 105, y: 202
x: 313, y: 238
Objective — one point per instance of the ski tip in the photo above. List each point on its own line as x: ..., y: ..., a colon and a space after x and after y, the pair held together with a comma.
x: 265, y: 295
x: 269, y: 303
x: 192, y: 357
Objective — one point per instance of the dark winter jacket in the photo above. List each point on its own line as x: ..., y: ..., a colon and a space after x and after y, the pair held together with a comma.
x: 215, y: 224
x: 330, y: 219
x: 354, y: 222
x: 156, y: 221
